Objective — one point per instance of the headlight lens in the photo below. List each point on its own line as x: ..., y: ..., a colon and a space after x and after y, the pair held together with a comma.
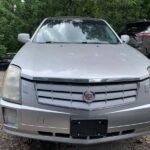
x: 11, y: 86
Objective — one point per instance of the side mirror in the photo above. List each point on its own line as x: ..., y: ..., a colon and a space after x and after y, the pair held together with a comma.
x: 23, y: 37
x: 125, y: 38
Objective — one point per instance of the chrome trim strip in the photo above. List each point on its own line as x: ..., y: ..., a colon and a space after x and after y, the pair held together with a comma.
x: 147, y: 106
x: 43, y: 126
x: 129, y: 125
x: 70, y: 80
x: 22, y: 107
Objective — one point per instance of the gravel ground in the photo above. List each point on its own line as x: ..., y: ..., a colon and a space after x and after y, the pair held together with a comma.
x: 8, y: 142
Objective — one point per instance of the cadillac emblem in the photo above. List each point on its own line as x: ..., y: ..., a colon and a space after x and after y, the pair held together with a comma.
x: 88, y: 96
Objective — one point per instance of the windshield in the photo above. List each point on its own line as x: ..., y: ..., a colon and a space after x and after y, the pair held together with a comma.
x: 75, y: 31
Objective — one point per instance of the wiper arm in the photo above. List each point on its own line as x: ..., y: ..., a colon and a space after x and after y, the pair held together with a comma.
x: 52, y: 42
x: 84, y: 42
x: 101, y: 42
x: 44, y: 42
x: 92, y: 42
x: 48, y: 42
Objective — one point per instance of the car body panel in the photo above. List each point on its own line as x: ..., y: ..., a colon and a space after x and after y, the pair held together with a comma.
x: 42, y: 61
x: 55, y: 79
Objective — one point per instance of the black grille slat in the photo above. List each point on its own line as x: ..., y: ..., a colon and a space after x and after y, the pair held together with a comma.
x: 42, y: 90
x: 79, y: 97
x: 52, y: 98
x: 64, y: 135
x: 80, y: 89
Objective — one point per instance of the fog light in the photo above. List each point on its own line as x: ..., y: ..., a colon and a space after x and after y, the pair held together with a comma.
x: 10, y: 117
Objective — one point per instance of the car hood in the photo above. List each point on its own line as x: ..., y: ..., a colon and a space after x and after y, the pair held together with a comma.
x: 103, y: 62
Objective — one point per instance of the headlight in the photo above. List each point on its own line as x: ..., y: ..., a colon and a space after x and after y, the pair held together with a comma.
x: 11, y: 86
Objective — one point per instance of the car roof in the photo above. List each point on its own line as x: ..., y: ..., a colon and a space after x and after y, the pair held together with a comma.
x: 74, y: 17
x: 140, y: 23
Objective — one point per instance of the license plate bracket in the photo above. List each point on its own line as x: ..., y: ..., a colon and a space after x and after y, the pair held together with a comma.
x: 86, y: 127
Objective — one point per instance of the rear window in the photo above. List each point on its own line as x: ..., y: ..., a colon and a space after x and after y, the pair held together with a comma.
x: 136, y: 28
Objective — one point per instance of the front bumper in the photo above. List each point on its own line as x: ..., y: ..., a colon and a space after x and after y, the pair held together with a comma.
x: 54, y: 125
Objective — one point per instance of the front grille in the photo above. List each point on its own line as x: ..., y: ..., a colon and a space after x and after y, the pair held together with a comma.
x: 71, y: 95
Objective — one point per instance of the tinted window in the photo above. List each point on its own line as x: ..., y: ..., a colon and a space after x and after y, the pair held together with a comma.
x: 75, y: 31
x: 137, y: 27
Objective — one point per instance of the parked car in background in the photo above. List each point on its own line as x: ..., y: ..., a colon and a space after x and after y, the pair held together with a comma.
x: 75, y: 81
x: 5, y: 60
x: 139, y: 33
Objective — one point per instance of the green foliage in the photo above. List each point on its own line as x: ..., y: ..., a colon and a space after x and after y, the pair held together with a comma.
x: 27, y: 16
x: 2, y: 47
x: 9, y: 28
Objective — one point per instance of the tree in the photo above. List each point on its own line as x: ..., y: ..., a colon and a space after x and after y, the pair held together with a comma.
x: 8, y: 27
x: 27, y: 16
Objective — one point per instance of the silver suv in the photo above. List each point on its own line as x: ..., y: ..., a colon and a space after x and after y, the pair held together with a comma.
x: 75, y: 81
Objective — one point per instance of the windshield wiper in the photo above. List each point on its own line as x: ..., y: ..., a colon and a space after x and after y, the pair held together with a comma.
x: 44, y: 42
x: 84, y: 42
x: 101, y: 42
x: 48, y: 42
x: 92, y: 42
